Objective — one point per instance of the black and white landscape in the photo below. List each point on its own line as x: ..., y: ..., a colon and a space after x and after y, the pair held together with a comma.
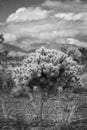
x: 43, y: 65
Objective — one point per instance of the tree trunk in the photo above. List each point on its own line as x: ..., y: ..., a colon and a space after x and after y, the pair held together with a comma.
x: 32, y: 100
x: 41, y: 109
x: 3, y: 109
x: 41, y: 106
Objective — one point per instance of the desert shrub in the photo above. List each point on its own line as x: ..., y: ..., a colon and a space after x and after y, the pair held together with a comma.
x: 11, y: 119
x: 1, y: 38
x: 49, y: 71
x: 64, y: 48
x: 51, y: 65
x: 6, y: 82
x: 75, y: 53
x: 84, y: 55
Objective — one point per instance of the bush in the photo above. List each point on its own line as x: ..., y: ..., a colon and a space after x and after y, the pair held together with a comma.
x: 48, y: 70
x: 6, y: 82
x: 47, y: 65
x: 75, y: 53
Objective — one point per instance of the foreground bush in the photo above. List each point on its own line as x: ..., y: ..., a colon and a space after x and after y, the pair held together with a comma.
x: 48, y: 72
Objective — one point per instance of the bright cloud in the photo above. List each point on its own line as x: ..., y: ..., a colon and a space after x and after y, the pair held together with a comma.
x: 65, y: 6
x: 9, y: 37
x: 28, y: 25
x: 72, y: 16
x: 76, y: 42
x: 51, y: 3
x: 28, y: 14
x: 68, y: 16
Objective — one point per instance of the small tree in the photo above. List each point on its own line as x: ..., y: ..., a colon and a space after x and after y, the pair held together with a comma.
x: 48, y: 70
x: 75, y: 53
x: 1, y: 38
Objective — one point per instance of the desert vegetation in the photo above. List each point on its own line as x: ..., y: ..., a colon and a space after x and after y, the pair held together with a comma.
x: 44, y: 89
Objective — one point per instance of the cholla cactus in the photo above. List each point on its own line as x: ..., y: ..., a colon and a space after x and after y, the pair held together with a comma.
x: 48, y: 69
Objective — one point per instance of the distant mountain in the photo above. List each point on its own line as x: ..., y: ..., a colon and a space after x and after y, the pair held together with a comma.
x: 5, y: 46
x: 32, y: 46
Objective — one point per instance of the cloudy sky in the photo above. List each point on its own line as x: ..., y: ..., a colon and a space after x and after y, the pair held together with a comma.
x: 25, y: 22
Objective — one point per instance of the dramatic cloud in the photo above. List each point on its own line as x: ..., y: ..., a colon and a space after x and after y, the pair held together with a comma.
x: 28, y: 14
x: 53, y: 21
